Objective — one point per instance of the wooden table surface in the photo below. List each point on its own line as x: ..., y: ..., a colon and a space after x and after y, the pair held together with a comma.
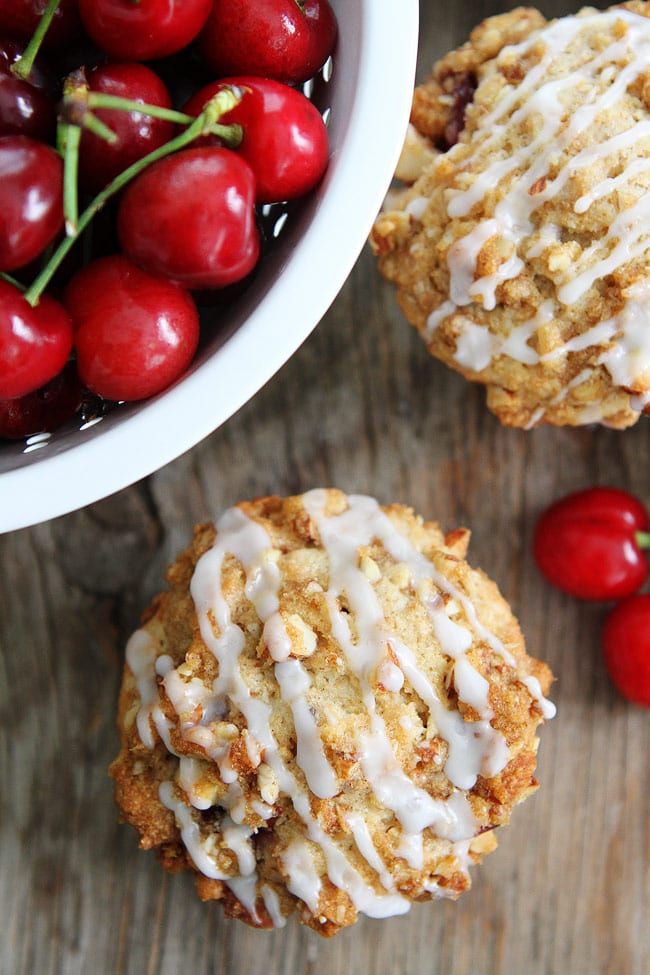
x: 363, y: 407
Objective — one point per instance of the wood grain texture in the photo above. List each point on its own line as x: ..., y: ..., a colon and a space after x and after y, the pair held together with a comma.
x: 363, y: 407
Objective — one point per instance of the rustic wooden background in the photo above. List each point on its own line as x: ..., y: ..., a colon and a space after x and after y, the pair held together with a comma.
x: 363, y: 407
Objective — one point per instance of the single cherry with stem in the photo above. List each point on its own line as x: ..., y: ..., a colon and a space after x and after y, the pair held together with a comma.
x: 50, y: 23
x: 27, y: 105
x: 284, y: 138
x: 136, y: 133
x: 591, y: 543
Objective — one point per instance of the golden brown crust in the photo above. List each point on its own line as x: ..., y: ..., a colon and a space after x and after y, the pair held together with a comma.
x: 492, y: 246
x: 169, y: 743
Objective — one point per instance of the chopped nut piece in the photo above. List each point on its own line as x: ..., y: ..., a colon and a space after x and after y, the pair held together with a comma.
x: 370, y: 568
x: 224, y: 731
x: 303, y: 638
x: 417, y: 152
x: 267, y: 784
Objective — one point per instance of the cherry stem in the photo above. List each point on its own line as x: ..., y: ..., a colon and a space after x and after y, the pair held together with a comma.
x: 642, y: 539
x: 23, y: 66
x: 70, y: 136
x: 204, y: 124
x: 79, y: 101
x: 99, y: 99
x: 10, y: 280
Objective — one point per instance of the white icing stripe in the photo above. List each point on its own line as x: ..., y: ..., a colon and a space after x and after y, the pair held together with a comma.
x: 537, y: 104
x: 411, y: 849
x: 242, y: 886
x: 475, y: 748
x: 368, y: 850
x: 303, y: 879
x: 294, y: 683
x: 272, y: 905
x: 462, y: 257
x: 436, y: 317
x: 548, y: 708
x: 190, y: 831
x: 141, y: 658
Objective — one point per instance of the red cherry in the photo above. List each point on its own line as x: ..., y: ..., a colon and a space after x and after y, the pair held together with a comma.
x: 43, y: 410
x: 280, y: 39
x: 134, y: 334
x: 20, y: 18
x: 284, y: 136
x: 143, y: 31
x: 190, y: 217
x: 35, y: 341
x: 626, y: 648
x: 586, y: 543
x: 322, y: 32
x: 31, y: 199
x: 137, y: 134
x: 26, y: 107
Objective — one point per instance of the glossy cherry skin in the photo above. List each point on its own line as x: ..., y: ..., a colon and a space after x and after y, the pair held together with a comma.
x: 284, y: 136
x: 279, y: 39
x: 26, y: 107
x: 585, y: 543
x: 31, y: 199
x: 135, y: 334
x: 190, y: 217
x: 20, y: 18
x: 144, y: 30
x: 626, y: 648
x: 44, y: 409
x: 137, y: 134
x: 35, y: 342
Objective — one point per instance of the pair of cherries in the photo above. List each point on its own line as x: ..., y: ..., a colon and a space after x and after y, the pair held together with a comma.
x: 591, y: 544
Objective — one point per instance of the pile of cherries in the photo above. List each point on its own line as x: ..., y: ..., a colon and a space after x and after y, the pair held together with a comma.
x: 591, y: 544
x: 140, y: 142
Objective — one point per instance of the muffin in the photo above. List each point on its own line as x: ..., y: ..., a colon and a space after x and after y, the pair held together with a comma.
x: 327, y: 713
x: 519, y: 238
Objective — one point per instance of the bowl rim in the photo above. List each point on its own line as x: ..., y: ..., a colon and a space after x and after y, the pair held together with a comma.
x: 116, y: 456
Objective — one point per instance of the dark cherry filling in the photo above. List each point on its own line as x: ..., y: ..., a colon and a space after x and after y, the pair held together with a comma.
x: 463, y: 94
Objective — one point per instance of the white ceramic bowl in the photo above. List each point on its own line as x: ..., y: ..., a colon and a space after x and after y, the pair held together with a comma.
x: 369, y: 96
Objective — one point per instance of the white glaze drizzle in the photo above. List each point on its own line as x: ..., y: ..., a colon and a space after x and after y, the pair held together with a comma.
x: 272, y: 905
x: 141, y: 652
x: 294, y: 683
x: 303, y: 879
x: 474, y: 748
x: 539, y: 96
x: 368, y: 850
